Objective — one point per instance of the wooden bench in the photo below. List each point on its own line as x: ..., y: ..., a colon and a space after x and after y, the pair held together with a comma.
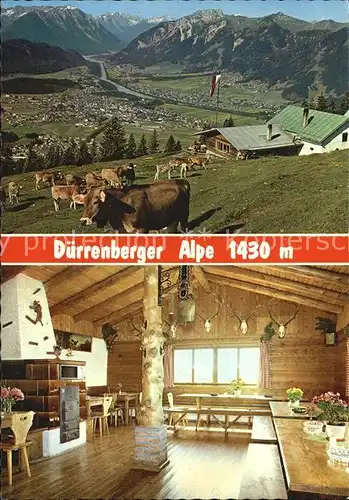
x: 263, y: 477
x: 263, y: 430
x: 237, y: 412
x: 178, y: 414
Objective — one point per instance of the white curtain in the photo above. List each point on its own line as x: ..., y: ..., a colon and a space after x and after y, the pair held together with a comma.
x: 265, y: 366
x: 168, y: 367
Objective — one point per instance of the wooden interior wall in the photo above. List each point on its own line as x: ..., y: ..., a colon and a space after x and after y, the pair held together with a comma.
x: 66, y: 323
x: 340, y: 362
x: 301, y: 359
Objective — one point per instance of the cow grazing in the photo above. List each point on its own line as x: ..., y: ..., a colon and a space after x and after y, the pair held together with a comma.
x: 65, y: 193
x: 50, y: 177
x: 93, y: 179
x: 197, y: 161
x: 169, y: 168
x: 74, y: 179
x: 139, y: 208
x: 111, y: 177
x: 13, y: 192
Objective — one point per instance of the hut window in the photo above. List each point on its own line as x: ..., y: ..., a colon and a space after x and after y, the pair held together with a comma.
x: 345, y: 137
x: 218, y: 365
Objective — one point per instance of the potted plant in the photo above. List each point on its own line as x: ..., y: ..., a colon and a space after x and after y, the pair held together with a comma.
x: 9, y: 397
x: 328, y: 327
x: 236, y: 386
x: 334, y: 412
x: 294, y: 395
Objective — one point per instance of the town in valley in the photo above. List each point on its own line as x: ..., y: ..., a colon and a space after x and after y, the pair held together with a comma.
x: 209, y: 103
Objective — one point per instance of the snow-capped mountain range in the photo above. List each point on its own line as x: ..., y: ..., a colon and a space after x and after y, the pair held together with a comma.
x: 71, y: 28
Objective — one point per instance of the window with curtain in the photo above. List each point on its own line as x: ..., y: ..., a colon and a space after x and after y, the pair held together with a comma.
x: 216, y: 365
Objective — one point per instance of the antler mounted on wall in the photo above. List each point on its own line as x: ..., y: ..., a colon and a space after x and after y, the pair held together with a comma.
x: 208, y: 321
x: 282, y: 326
x: 243, y: 321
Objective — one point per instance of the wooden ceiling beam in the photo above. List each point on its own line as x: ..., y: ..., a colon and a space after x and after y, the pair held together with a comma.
x: 73, y: 300
x: 257, y: 277
x: 9, y: 272
x: 271, y: 292
x: 331, y: 277
x: 117, y: 317
x: 131, y: 294
x: 71, y: 272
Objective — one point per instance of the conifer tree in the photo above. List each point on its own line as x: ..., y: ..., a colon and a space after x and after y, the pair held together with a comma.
x: 71, y: 153
x: 113, y: 141
x: 170, y: 145
x: 229, y: 122
x: 154, y: 144
x: 32, y: 160
x: 331, y: 107
x: 142, y: 149
x: 178, y: 146
x: 131, y: 148
x: 85, y: 156
x: 321, y: 104
x: 344, y: 107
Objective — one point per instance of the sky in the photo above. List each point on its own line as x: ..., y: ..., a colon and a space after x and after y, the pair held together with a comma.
x: 309, y: 10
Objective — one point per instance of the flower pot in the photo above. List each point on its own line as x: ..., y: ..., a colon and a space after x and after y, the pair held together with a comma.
x: 237, y: 393
x: 294, y: 404
x: 337, y: 431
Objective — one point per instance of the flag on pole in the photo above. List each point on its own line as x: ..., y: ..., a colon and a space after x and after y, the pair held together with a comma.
x: 214, y: 81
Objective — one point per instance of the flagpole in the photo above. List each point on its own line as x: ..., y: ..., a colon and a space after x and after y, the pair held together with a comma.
x: 219, y: 86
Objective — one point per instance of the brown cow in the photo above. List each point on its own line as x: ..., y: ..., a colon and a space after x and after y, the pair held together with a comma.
x: 50, y: 177
x: 196, y: 161
x: 111, y: 177
x: 139, y: 208
x: 74, y: 179
x: 93, y: 179
x: 65, y: 193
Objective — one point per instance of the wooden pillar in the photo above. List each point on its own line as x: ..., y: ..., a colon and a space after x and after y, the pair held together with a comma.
x: 151, y: 432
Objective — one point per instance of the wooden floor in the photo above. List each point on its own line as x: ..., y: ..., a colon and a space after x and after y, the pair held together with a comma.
x: 202, y: 465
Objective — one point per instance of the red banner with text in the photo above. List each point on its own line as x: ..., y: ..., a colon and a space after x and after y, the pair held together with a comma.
x: 174, y: 249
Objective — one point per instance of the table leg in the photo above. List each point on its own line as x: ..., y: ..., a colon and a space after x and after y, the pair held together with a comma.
x: 9, y: 467
x: 126, y: 410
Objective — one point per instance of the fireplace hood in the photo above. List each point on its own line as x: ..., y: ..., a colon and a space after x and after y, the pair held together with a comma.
x: 27, y: 331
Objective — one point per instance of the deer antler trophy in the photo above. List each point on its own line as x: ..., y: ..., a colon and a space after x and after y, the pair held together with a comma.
x: 207, y: 321
x: 282, y: 326
x: 243, y: 322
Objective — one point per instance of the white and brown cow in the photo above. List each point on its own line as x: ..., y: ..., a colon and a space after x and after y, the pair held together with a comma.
x: 65, y: 193
x: 13, y: 192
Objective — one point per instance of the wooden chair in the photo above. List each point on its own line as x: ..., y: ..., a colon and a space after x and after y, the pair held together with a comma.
x: 115, y: 410
x: 102, y: 417
x: 183, y: 420
x: 19, y: 423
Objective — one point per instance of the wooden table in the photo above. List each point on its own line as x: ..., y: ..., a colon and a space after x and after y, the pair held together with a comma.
x: 282, y: 410
x: 305, y: 461
x: 242, y: 405
x: 242, y: 400
x: 126, y: 397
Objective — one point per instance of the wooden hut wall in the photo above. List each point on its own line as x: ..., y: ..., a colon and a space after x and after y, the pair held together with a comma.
x: 300, y: 359
x: 66, y: 323
x: 340, y: 362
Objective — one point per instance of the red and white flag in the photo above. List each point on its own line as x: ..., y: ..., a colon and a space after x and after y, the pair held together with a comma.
x: 214, y: 82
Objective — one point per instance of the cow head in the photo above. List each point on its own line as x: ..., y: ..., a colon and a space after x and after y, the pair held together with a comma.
x: 103, y: 206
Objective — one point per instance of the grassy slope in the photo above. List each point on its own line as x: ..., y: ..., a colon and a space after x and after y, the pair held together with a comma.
x: 294, y: 194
